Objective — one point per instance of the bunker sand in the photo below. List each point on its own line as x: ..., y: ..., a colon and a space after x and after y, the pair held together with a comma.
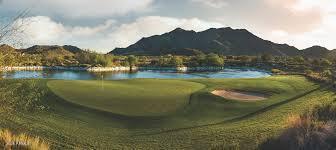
x: 240, y: 95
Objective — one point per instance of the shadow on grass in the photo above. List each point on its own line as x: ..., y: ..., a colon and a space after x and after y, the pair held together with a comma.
x: 327, y: 87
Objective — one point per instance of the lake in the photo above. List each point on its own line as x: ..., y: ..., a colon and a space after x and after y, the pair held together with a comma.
x: 83, y: 75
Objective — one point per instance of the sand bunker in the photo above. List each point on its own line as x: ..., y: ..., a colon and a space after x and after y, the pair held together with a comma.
x: 239, y: 95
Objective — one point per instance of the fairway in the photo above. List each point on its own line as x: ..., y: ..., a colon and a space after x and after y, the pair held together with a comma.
x: 128, y: 97
x: 165, y: 114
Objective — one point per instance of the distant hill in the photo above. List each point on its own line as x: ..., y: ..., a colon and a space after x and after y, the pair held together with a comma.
x: 6, y: 48
x: 226, y: 41
x: 315, y: 52
x: 39, y: 49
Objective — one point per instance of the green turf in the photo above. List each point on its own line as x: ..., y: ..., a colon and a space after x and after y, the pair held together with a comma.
x: 206, y: 121
x: 129, y: 97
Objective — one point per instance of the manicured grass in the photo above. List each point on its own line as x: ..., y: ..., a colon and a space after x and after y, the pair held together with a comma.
x: 206, y: 121
x: 129, y: 97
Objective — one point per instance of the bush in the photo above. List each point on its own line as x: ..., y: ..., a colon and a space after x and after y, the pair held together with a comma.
x: 214, y: 60
x: 22, y: 141
x: 314, y: 130
x: 308, y: 72
x: 276, y: 71
x: 325, y: 112
x: 306, y: 133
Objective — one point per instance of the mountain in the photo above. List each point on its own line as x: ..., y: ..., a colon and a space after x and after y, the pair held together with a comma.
x: 315, y: 52
x: 39, y: 49
x: 332, y: 55
x: 6, y: 48
x: 226, y: 41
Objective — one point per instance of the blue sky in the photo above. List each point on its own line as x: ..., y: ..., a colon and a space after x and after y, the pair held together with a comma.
x: 102, y: 25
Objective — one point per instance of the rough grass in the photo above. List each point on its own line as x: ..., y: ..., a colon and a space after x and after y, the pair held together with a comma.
x: 9, y: 141
x: 207, y: 121
x: 313, y: 130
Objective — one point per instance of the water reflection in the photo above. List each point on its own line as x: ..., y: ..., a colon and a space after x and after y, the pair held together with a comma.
x: 83, y: 75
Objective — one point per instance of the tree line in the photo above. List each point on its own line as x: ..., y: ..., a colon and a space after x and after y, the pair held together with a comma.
x: 90, y: 58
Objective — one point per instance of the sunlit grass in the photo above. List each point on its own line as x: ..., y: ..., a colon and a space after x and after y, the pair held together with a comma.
x: 207, y: 121
x: 10, y: 141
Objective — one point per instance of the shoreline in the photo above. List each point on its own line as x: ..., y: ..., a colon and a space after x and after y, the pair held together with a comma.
x: 115, y: 69
x: 89, y: 69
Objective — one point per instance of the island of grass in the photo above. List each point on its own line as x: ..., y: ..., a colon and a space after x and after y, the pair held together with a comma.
x: 164, y: 114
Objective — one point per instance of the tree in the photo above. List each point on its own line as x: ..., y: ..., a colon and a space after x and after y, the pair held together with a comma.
x: 201, y: 60
x: 164, y: 61
x: 308, y: 72
x: 214, y: 60
x: 100, y: 60
x: 176, y: 61
x: 9, y: 59
x: 326, y: 73
x: 1, y: 59
x: 245, y: 59
x: 316, y: 62
x: 266, y: 58
x: 9, y: 31
x: 8, y: 34
x: 325, y: 63
x: 132, y: 60
x: 299, y: 60
x: 83, y: 58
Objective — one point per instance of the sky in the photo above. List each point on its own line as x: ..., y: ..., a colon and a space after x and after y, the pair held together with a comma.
x: 103, y: 25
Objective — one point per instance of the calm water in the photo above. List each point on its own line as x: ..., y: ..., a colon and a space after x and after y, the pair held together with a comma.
x: 82, y: 75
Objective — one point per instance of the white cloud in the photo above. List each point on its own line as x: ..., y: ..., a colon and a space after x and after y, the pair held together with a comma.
x: 80, y: 8
x: 212, y: 3
x: 88, y: 31
x: 322, y: 35
x: 127, y: 34
x: 40, y: 29
x: 110, y: 34
x: 105, y: 37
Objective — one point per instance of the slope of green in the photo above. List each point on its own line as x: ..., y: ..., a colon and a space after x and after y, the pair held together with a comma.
x: 129, y: 97
x: 207, y: 121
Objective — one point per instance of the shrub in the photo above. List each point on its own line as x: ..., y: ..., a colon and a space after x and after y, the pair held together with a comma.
x: 314, y: 130
x: 308, y: 72
x: 276, y: 71
x: 325, y: 112
x: 214, y: 60
x: 22, y: 141
x: 306, y: 133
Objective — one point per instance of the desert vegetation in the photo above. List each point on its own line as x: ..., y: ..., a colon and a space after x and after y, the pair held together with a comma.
x: 315, y: 129
x: 170, y: 114
x: 292, y: 108
x: 70, y: 106
x: 10, y: 141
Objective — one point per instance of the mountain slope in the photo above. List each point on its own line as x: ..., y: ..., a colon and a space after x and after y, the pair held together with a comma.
x: 315, y: 52
x: 6, y: 48
x: 226, y: 41
x: 39, y: 49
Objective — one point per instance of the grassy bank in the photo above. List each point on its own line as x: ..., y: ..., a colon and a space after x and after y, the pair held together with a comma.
x: 195, y: 119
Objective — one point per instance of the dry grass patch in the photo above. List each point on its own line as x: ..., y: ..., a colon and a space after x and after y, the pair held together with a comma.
x: 10, y: 141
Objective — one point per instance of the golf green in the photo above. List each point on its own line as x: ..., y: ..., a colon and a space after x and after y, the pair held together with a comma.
x: 147, y: 97
x: 160, y: 114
